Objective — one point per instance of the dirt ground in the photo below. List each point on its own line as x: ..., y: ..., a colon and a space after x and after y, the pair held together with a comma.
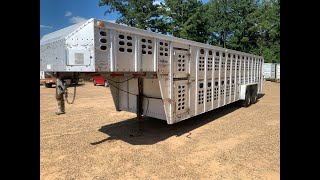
x: 92, y: 140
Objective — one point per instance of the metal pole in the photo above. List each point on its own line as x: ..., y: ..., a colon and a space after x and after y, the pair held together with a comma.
x: 139, y: 108
x: 140, y: 98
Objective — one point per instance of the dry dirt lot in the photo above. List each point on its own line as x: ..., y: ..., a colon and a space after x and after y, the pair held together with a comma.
x: 91, y: 141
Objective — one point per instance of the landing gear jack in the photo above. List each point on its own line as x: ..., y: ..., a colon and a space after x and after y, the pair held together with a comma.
x: 60, y: 89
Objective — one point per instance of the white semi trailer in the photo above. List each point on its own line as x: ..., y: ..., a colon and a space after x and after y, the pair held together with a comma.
x: 152, y: 74
x: 271, y: 71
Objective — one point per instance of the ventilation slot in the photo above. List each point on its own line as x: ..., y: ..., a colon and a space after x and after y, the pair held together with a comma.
x: 228, y: 88
x: 216, y: 64
x: 121, y: 43
x: 181, y: 97
x: 163, y: 49
x: 232, y: 87
x: 181, y: 63
x: 200, y: 94
x: 209, y: 92
x: 222, y: 92
x: 228, y: 65
x: 103, y: 33
x: 216, y: 90
x: 125, y: 43
x: 209, y: 63
x: 222, y: 65
x: 238, y: 66
x: 201, y: 63
x: 103, y: 48
x: 146, y: 46
x: 102, y: 40
x: 233, y: 65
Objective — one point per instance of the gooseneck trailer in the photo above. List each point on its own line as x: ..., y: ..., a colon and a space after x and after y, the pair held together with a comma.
x: 151, y: 74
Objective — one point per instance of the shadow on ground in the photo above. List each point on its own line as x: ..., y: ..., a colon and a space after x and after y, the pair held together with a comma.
x: 155, y: 130
x: 260, y: 96
x: 78, y: 85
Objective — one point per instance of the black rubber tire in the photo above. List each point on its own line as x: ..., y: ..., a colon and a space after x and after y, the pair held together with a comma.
x: 48, y: 85
x: 94, y: 83
x: 254, y: 95
x: 247, y: 101
x: 106, y: 84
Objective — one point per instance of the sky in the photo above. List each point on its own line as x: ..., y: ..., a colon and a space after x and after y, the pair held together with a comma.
x: 58, y: 14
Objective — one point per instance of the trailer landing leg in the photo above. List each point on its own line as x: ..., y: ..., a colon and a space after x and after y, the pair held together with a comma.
x: 60, y: 89
x: 139, y: 108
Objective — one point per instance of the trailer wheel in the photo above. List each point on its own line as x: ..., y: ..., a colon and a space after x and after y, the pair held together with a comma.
x: 106, y: 84
x: 254, y: 95
x: 94, y: 82
x: 247, y: 101
x: 48, y: 85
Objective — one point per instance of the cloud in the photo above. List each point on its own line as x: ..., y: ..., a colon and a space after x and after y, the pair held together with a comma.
x: 67, y: 13
x: 112, y: 21
x: 76, y: 19
x: 45, y: 27
x: 157, y: 2
x: 123, y: 24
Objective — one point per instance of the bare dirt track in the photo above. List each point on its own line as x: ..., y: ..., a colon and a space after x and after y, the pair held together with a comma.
x: 91, y: 141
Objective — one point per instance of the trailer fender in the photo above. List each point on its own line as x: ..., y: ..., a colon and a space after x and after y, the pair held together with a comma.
x: 242, y: 95
x: 243, y: 88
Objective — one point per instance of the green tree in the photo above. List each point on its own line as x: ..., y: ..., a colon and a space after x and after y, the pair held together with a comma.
x: 141, y: 14
x: 177, y: 13
x: 219, y: 21
x: 196, y: 28
x: 251, y: 26
x: 186, y: 19
x: 232, y: 23
x: 269, y: 30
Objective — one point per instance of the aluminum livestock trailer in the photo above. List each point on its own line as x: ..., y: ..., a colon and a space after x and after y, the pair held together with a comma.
x: 278, y: 71
x: 152, y: 74
x: 271, y: 71
x: 267, y: 70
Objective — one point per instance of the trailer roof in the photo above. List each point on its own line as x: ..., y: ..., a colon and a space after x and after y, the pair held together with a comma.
x: 68, y: 31
x: 60, y: 34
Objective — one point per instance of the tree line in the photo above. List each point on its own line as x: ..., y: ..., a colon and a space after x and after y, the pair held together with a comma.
x: 251, y: 26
